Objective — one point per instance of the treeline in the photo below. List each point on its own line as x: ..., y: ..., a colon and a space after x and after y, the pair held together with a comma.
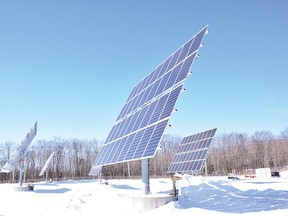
x: 231, y: 153
x: 73, y: 158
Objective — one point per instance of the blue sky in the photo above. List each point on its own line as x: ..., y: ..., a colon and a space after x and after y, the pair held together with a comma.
x: 71, y: 64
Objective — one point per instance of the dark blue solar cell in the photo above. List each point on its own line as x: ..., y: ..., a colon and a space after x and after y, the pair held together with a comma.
x: 155, y: 139
x: 169, y: 106
x: 213, y: 132
x: 111, y: 155
x: 162, y: 83
x: 141, y: 87
x: 165, y: 66
x: 109, y: 137
x: 132, y: 94
x: 185, y: 69
x: 197, y: 42
x: 206, y: 134
x: 119, y: 149
x: 202, y: 144
x: 121, y: 128
x: 144, y: 142
x: 149, y: 113
x: 157, y: 72
x: 118, y: 128
x: 184, y: 140
x: 137, y: 124
x: 158, y: 109
x: 208, y: 142
x: 128, y: 107
x: 146, y: 116
x: 181, y: 166
x: 150, y: 78
x: 126, y: 146
x: 190, y: 148
x: 196, y: 145
x: 145, y: 82
x: 186, y: 156
x: 191, y: 138
x: 185, y: 50
x: 136, y: 103
x: 181, y: 147
x: 174, y: 59
x: 145, y: 97
x: 154, y: 89
x: 108, y: 151
x: 173, y: 77
x: 131, y: 127
x: 185, y: 148
x: 134, y: 145
x: 177, y: 157
x: 127, y: 126
x: 191, y: 156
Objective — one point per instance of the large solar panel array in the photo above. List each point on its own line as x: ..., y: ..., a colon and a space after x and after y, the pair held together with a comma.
x: 141, y: 123
x: 192, y: 153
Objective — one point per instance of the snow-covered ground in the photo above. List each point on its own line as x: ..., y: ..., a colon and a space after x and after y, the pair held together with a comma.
x: 199, y: 196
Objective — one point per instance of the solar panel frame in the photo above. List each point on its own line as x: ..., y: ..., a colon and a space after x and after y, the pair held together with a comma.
x: 149, y: 104
x: 192, y: 153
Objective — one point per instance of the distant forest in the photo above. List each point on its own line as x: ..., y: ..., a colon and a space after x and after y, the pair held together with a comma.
x: 73, y: 158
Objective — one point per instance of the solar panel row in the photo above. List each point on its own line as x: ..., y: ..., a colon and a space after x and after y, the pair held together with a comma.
x: 192, y: 153
x: 141, y: 123
x: 140, y: 144
x: 188, y: 167
x: 183, y: 52
x: 149, y: 114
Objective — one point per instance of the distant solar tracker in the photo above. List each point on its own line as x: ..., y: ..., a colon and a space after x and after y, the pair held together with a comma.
x: 95, y: 171
x: 192, y: 153
x: 19, y: 153
x: 144, y: 117
x: 46, y: 164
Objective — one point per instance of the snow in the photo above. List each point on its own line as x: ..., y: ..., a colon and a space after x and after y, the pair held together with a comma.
x: 198, y: 196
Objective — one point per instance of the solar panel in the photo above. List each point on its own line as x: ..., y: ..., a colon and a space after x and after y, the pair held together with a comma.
x: 144, y: 117
x: 95, y: 171
x: 192, y: 153
x: 20, y: 151
x: 46, y: 164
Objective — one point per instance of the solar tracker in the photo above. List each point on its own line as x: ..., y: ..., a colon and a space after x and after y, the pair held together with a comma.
x: 95, y: 171
x: 192, y: 153
x: 140, y: 125
x: 20, y: 151
x: 46, y: 164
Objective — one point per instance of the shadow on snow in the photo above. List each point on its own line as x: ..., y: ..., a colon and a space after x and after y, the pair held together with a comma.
x: 221, y: 196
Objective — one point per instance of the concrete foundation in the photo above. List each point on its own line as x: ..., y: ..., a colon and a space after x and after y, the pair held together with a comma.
x: 143, y: 202
x: 23, y: 188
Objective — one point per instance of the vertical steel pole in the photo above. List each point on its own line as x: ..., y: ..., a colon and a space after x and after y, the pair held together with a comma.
x: 21, y: 172
x: 145, y: 176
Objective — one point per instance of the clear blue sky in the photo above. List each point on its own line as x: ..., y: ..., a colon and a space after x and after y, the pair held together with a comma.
x: 71, y: 64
